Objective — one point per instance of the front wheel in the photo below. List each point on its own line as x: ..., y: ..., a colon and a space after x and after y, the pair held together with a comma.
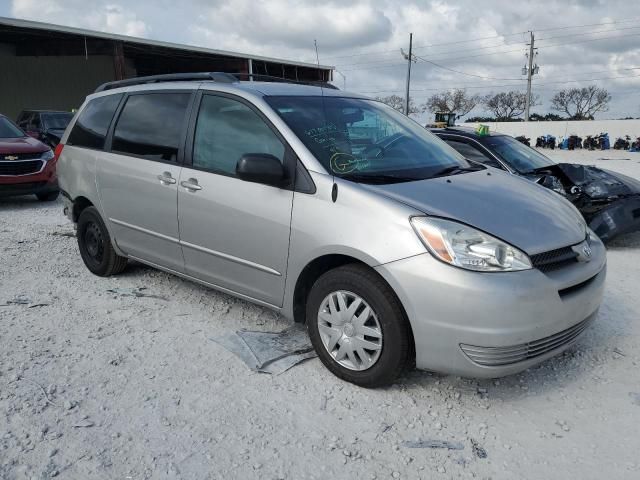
x: 95, y: 245
x: 357, y: 326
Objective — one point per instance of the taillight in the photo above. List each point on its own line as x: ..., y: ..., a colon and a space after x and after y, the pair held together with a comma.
x: 57, y: 152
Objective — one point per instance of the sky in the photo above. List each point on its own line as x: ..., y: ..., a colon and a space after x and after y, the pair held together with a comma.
x: 477, y: 45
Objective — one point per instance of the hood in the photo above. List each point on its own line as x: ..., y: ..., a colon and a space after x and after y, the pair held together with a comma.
x: 597, y: 183
x: 21, y: 145
x: 511, y: 208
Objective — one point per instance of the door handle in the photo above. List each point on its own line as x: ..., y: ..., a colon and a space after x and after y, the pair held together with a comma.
x: 191, y: 185
x: 166, y: 178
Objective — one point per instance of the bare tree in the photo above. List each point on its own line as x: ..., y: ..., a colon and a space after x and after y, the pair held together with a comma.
x: 508, y: 105
x: 456, y: 100
x: 398, y: 103
x: 581, y: 103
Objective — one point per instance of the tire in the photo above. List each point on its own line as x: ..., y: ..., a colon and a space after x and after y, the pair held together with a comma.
x: 367, y: 367
x: 95, y: 245
x: 48, y: 197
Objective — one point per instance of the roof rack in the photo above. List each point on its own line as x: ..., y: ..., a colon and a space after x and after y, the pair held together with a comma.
x: 271, y: 78
x: 221, y: 77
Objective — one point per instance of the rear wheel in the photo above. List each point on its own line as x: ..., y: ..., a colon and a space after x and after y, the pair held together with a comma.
x: 95, y: 245
x: 357, y: 326
x: 48, y: 197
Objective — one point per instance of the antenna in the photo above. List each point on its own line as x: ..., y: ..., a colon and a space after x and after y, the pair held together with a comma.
x: 315, y: 43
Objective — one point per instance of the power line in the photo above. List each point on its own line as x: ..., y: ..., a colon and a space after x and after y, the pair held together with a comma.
x: 462, y: 73
x: 426, y: 46
x: 590, y: 33
x: 586, y: 80
x: 431, y: 55
x: 590, y: 40
x: 441, y: 88
x: 373, y: 52
x: 445, y: 59
x: 509, y: 85
x: 449, y: 59
x: 615, y: 22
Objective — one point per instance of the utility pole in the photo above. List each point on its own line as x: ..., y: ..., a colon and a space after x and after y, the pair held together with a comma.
x: 410, y: 58
x: 529, y: 75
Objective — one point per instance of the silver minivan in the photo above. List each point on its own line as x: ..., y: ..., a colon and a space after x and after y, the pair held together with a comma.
x: 336, y: 211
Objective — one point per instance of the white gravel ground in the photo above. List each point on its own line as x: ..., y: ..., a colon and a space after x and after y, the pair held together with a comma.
x: 94, y: 385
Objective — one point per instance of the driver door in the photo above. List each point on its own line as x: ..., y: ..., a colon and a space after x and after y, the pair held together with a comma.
x: 234, y: 233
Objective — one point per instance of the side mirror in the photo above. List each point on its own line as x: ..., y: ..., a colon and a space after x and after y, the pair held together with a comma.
x: 261, y: 168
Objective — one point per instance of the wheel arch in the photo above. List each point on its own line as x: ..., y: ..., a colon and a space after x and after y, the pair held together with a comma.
x: 79, y: 204
x: 322, y: 264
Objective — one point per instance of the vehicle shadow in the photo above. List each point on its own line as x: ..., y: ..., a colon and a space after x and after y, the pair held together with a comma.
x: 595, y: 349
x: 23, y: 202
x: 630, y: 240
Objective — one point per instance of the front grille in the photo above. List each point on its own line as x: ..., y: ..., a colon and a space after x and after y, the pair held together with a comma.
x: 21, y: 156
x: 500, y: 356
x: 575, y: 288
x: 554, y: 259
x: 20, y: 168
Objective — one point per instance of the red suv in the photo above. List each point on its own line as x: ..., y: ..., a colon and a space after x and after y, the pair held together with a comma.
x: 27, y: 166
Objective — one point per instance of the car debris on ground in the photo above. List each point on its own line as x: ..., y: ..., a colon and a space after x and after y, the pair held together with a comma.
x: 270, y: 352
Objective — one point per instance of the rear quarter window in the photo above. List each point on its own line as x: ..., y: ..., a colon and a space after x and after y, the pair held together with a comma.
x: 90, y: 130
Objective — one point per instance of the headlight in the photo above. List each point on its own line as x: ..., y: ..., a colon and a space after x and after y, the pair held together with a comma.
x: 466, y: 247
x: 48, y: 155
x: 595, y: 190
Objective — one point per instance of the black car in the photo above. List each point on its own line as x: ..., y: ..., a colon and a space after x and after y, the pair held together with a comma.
x: 48, y: 126
x: 609, y: 201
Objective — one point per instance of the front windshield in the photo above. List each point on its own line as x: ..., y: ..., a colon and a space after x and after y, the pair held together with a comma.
x: 367, y: 141
x: 57, y: 121
x: 517, y: 155
x: 9, y: 130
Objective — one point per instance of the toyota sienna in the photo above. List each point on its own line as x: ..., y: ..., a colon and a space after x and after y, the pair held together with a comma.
x: 393, y: 253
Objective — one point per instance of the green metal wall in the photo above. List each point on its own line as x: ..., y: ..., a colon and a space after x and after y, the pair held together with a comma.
x: 51, y: 82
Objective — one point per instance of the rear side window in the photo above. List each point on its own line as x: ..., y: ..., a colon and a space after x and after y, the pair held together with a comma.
x: 150, y: 126
x: 473, y: 153
x: 90, y: 130
x: 23, y: 118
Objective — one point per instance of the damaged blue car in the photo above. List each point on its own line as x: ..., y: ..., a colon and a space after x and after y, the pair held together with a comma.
x: 609, y: 201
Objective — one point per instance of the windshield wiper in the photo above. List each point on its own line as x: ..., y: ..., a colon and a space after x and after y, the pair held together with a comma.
x: 455, y: 170
x: 378, y: 178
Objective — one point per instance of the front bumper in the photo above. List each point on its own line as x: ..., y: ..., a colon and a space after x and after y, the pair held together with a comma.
x: 27, y: 188
x: 622, y: 216
x: 45, y: 181
x: 450, y: 307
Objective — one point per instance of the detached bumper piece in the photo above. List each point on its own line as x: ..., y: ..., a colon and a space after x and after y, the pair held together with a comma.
x: 500, y: 356
x: 620, y: 217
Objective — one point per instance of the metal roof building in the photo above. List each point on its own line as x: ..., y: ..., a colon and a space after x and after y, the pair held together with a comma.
x: 47, y: 66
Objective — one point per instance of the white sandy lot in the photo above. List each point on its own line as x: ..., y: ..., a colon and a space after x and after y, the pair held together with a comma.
x: 133, y: 388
